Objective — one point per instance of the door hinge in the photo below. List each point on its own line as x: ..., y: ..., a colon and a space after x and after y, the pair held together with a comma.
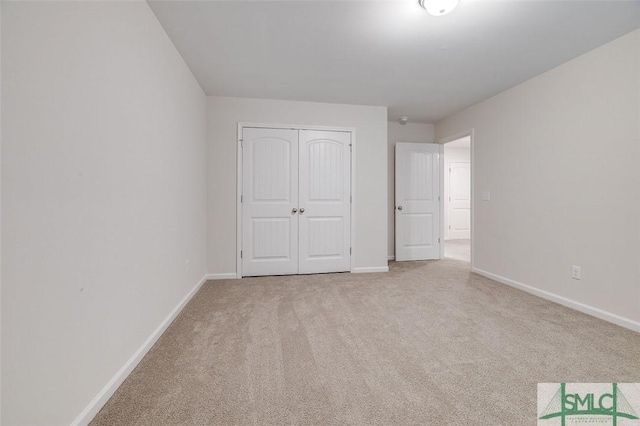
x: 350, y: 250
x: 242, y: 198
x: 240, y: 254
x: 438, y: 239
x: 241, y: 143
x: 449, y: 226
x: 351, y: 198
x: 438, y: 198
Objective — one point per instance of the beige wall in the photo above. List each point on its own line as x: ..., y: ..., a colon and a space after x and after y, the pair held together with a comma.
x: 410, y: 132
x: 560, y: 154
x: 103, y: 197
x: 371, y: 158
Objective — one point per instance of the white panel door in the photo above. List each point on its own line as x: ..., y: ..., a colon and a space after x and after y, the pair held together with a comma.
x: 459, y: 200
x: 417, y: 201
x: 269, y: 202
x: 325, y: 206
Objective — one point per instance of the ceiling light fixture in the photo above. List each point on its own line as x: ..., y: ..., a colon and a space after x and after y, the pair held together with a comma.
x: 403, y: 120
x: 438, y: 7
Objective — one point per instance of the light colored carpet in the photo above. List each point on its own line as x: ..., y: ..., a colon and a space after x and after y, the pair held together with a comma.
x: 458, y: 250
x: 428, y: 343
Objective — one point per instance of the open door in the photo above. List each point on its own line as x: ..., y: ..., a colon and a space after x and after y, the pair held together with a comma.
x: 417, y: 201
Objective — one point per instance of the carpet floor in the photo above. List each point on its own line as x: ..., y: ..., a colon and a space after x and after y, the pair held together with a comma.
x: 458, y: 250
x: 428, y: 343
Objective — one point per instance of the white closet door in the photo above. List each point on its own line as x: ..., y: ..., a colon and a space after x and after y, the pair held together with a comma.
x: 417, y: 201
x: 270, y: 202
x: 325, y: 206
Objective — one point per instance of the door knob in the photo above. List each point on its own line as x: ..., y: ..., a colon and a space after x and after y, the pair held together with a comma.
x: 302, y: 210
x: 399, y: 207
x: 294, y: 210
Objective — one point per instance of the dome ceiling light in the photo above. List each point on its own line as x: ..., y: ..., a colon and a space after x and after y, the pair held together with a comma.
x: 438, y: 7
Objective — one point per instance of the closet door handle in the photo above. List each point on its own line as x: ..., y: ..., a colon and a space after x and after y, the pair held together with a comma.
x: 302, y: 210
x: 294, y: 210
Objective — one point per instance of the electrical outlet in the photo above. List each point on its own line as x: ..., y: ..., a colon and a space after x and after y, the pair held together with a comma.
x: 576, y: 272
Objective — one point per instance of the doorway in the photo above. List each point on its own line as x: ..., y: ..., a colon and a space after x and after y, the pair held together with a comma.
x: 457, y: 198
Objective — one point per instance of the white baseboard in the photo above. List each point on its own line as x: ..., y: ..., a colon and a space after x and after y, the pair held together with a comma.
x: 227, y: 276
x: 391, y: 257
x: 109, y: 389
x: 589, y: 310
x: 365, y: 270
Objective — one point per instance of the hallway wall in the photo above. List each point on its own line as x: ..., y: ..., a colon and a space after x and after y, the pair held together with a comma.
x: 370, y: 123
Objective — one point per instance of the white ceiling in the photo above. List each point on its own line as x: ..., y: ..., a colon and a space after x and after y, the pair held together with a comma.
x: 389, y: 53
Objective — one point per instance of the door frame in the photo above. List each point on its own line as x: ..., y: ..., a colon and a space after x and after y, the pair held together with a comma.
x: 443, y: 141
x: 243, y: 125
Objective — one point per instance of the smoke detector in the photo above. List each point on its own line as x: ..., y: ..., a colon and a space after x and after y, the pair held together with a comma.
x: 403, y: 120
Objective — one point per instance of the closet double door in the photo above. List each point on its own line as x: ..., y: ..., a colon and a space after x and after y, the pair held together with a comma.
x: 296, y: 201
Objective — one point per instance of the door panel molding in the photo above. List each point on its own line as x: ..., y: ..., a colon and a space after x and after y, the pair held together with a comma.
x: 240, y: 226
x: 459, y: 203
